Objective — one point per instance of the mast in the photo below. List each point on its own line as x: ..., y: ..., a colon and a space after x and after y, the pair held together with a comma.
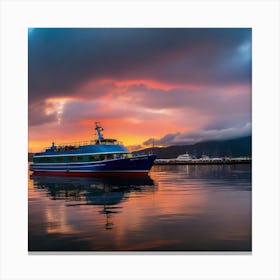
x: 98, y: 129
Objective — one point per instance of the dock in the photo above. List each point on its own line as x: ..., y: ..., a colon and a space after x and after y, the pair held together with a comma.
x: 243, y: 160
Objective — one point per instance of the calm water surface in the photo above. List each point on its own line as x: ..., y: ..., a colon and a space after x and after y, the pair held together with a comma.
x: 175, y: 208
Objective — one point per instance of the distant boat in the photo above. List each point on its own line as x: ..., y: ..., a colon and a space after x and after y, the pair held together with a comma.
x: 96, y: 157
x: 205, y: 157
x: 185, y: 156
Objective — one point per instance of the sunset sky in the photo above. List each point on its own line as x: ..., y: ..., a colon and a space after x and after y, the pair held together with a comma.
x: 173, y: 85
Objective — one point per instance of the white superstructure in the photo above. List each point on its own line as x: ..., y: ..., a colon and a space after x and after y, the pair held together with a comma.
x: 185, y: 156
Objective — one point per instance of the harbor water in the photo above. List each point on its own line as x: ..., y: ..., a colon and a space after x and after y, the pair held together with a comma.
x: 174, y: 208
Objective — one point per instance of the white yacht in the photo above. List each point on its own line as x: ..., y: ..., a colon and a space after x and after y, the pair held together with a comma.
x: 185, y: 156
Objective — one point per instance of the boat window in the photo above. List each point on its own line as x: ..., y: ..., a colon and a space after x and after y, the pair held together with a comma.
x: 110, y: 156
x: 70, y: 159
x: 94, y: 158
x: 86, y: 158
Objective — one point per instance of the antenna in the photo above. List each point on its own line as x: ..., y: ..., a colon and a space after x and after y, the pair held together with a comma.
x: 98, y: 129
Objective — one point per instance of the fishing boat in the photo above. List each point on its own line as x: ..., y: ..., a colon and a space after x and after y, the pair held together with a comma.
x: 101, y: 156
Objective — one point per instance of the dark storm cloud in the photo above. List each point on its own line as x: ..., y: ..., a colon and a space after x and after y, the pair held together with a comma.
x: 60, y: 61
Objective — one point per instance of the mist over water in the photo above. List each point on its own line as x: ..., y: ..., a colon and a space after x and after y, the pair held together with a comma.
x: 175, y: 208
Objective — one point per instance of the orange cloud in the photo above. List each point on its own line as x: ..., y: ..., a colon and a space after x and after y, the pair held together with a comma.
x: 103, y: 87
x: 153, y: 84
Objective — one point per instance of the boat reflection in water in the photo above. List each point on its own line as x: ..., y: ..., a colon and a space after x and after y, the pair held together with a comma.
x: 108, y: 192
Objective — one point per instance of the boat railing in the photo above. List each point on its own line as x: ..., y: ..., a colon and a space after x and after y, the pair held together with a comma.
x: 75, y: 145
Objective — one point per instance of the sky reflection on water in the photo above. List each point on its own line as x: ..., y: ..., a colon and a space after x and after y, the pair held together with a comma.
x: 175, y: 208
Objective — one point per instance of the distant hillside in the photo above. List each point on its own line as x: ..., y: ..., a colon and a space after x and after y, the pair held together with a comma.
x: 233, y: 148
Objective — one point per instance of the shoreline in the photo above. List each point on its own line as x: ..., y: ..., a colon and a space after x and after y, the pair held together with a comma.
x: 202, y: 162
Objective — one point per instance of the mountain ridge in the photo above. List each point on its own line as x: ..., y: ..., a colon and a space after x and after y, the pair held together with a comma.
x: 236, y: 147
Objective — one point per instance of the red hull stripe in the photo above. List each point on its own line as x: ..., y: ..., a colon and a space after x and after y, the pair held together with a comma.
x: 90, y: 174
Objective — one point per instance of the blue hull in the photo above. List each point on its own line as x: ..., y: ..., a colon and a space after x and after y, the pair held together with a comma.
x: 141, y: 164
